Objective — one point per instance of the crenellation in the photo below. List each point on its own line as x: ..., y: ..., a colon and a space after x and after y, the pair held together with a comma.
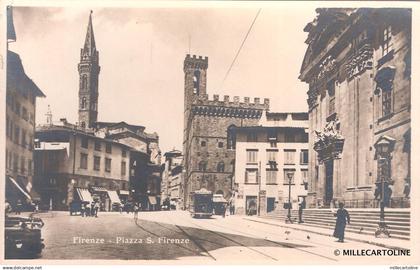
x: 227, y: 102
x: 236, y: 100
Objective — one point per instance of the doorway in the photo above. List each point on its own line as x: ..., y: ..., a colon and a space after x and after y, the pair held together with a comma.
x: 270, y: 204
x: 329, y: 182
x: 251, y: 205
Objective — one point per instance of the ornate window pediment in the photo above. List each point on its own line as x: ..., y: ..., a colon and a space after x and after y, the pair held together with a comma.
x: 329, y: 142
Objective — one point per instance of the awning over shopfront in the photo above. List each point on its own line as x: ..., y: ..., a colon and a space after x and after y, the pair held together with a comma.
x: 113, y: 196
x: 84, y: 195
x: 152, y: 200
x: 99, y: 189
x: 21, y: 190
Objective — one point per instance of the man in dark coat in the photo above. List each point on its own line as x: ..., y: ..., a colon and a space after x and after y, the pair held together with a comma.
x: 343, y: 217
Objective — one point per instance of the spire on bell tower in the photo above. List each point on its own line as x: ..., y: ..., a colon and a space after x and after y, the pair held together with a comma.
x: 90, y: 46
x: 88, y: 76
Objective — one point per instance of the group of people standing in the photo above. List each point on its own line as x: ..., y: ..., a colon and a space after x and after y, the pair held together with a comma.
x: 89, y: 209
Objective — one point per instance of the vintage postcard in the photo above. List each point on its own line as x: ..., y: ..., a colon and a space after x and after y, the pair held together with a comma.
x: 209, y: 133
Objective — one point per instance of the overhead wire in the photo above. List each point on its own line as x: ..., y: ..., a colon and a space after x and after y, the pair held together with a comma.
x: 240, y: 48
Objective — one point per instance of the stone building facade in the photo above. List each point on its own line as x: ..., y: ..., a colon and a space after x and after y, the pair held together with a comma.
x: 208, y: 156
x: 358, y: 68
x: 21, y: 94
x: 68, y: 158
x: 266, y: 156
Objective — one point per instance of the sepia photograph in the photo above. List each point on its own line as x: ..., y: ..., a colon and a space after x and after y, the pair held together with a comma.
x: 208, y: 133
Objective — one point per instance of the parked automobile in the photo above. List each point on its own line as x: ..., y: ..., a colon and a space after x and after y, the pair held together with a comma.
x: 23, y: 237
x: 75, y: 207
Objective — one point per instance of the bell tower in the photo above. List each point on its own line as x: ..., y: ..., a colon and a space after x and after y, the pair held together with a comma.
x: 88, y: 80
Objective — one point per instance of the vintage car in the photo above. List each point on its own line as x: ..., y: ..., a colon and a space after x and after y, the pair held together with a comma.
x: 23, y: 237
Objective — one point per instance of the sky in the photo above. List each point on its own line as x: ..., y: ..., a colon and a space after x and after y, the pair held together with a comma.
x: 141, y: 54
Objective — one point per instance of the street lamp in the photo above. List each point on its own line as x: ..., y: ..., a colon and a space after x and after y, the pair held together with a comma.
x: 289, y: 207
x: 383, y: 149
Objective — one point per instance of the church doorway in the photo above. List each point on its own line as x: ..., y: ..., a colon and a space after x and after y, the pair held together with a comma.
x: 329, y: 182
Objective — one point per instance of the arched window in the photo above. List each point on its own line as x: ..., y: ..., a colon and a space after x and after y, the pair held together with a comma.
x: 202, y: 166
x: 221, y: 166
x: 84, y: 103
x: 84, y: 81
x: 231, y: 142
x: 196, y: 82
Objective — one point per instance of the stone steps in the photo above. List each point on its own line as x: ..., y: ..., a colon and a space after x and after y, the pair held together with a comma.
x: 398, y: 221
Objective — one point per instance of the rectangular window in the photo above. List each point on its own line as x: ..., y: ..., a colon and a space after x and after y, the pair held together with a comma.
x: 31, y: 142
x: 17, y: 108
x: 271, y: 156
x: 7, y: 127
x: 15, y: 162
x: 123, y: 168
x: 22, y: 165
x: 289, y: 173
x: 289, y: 157
x: 304, y: 156
x: 107, y: 164
x: 251, y: 176
x: 25, y: 115
x: 251, y: 136
x: 304, y: 174
x: 124, y: 153
x: 83, y: 160
x: 271, y: 177
x: 273, y: 144
x: 386, y: 103
x: 108, y: 148
x: 23, y: 142
x: 85, y: 142
x: 386, y: 40
x: 29, y: 166
x: 251, y: 156
x: 7, y: 159
x: 17, y: 135
x: 97, y: 146
x: 96, y: 163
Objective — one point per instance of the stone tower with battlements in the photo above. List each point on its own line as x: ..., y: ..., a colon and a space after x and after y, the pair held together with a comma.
x: 88, y: 80
x: 209, y: 154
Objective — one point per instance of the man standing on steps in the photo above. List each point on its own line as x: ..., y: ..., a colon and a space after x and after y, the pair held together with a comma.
x: 343, y: 218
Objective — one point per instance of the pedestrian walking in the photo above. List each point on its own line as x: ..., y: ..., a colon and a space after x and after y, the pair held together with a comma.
x: 87, y: 210
x: 136, y: 211
x: 96, y: 209
x: 343, y: 218
x: 82, y: 209
x: 18, y: 207
x: 301, y: 207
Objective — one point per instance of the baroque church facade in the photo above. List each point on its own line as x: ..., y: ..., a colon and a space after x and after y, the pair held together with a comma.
x: 358, y: 69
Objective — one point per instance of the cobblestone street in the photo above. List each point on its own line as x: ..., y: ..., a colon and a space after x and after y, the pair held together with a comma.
x: 175, y: 235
